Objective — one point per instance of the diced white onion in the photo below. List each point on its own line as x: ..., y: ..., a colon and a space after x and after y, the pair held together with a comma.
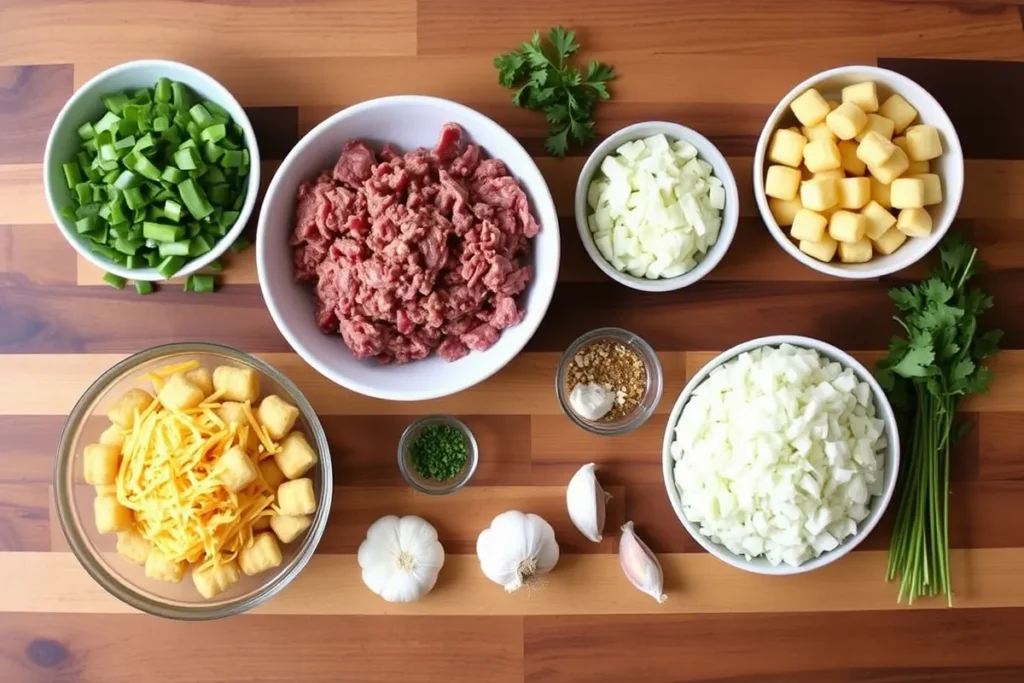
x: 778, y: 454
x: 656, y: 207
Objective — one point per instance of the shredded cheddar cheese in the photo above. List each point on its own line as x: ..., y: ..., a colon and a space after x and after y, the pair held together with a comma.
x: 169, y: 478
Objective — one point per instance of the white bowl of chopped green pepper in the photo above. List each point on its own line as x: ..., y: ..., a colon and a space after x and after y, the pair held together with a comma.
x: 151, y: 170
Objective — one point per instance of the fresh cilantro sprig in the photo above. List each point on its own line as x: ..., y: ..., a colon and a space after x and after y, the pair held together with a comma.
x: 544, y: 80
x: 926, y: 374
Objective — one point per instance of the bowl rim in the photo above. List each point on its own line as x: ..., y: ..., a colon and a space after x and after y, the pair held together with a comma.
x: 472, y: 459
x: 83, y: 550
x: 723, y: 171
x: 540, y: 197
x: 887, y: 266
x: 864, y: 528
x: 244, y: 214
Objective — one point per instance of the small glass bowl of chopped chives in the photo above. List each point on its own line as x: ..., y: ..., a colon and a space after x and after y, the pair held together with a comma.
x: 151, y: 170
x: 437, y: 454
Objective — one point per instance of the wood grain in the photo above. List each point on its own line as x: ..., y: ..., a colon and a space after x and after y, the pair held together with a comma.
x: 715, y: 65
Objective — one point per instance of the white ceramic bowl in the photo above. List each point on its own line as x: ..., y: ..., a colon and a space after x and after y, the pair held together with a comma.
x: 409, y: 122
x: 86, y: 105
x: 883, y: 409
x: 949, y: 167
x: 709, y: 153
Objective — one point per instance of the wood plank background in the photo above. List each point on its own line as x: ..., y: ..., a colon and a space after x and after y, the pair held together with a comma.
x: 715, y: 65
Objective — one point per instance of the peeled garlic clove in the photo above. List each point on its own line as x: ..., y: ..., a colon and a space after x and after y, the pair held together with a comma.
x: 586, y: 501
x: 639, y: 564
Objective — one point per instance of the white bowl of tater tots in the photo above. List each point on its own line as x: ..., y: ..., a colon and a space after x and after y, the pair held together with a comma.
x: 858, y: 172
x: 193, y: 481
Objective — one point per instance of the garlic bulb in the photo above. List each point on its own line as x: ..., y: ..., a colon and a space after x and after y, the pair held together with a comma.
x: 515, y: 548
x: 639, y: 564
x: 401, y: 558
x: 586, y: 501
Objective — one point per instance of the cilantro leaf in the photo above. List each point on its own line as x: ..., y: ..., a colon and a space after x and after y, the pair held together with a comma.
x: 542, y: 78
x: 978, y: 382
x: 511, y: 68
x: 905, y: 298
x: 986, y: 344
x: 564, y: 42
x: 959, y: 373
x: 558, y: 141
x: 915, y: 363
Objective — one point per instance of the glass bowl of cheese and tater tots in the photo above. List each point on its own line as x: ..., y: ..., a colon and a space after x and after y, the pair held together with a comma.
x: 193, y: 481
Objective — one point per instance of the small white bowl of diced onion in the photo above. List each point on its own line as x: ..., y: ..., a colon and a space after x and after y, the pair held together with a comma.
x: 656, y: 206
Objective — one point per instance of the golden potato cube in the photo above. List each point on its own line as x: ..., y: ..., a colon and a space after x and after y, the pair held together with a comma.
x: 880, y: 193
x: 787, y: 148
x: 793, y: 129
x: 819, y: 194
x: 133, y: 401
x: 271, y: 473
x: 864, y: 95
x: 846, y: 226
x: 914, y: 222
x: 919, y: 168
x: 854, y: 192
x: 111, y: 516
x: 889, y: 242
x: 896, y: 166
x: 296, y: 455
x: 263, y: 554
x: 235, y: 469
x: 178, y: 393
x: 296, y: 497
x: 877, y: 124
x: 215, y: 580
x: 875, y: 150
x: 232, y: 411
x: 112, y: 436
x: 932, y: 187
x: 823, y: 250
x: 100, y: 463
x: 132, y: 546
x: 261, y: 523
x: 238, y: 384
x: 879, y: 219
x: 923, y: 143
x: 856, y: 252
x: 901, y: 142
x: 846, y: 121
x: 818, y: 132
x: 784, y: 210
x: 159, y: 567
x: 289, y: 527
x: 821, y: 155
x: 782, y: 182
x: 848, y: 158
x: 834, y: 173
x: 832, y: 104
x: 106, y: 489
x: 907, y: 193
x: 278, y: 416
x: 810, y: 108
x: 202, y: 378
x: 899, y: 111
x: 808, y: 225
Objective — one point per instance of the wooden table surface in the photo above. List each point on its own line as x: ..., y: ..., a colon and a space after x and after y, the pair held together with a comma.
x: 716, y: 65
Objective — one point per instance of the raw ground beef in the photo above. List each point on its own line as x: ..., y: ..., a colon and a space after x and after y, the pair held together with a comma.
x: 415, y: 252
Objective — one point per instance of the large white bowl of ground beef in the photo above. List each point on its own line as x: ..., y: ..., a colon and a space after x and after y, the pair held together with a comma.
x: 408, y: 248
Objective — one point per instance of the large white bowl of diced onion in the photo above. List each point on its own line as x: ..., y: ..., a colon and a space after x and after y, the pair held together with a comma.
x: 656, y: 206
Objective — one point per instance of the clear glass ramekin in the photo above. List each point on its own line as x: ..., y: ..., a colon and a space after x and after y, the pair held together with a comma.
x: 423, y: 484
x: 73, y: 498
x: 652, y: 392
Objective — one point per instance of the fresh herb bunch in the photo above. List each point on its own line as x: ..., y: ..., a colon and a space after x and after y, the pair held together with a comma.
x: 552, y: 85
x: 926, y: 374
x: 439, y: 452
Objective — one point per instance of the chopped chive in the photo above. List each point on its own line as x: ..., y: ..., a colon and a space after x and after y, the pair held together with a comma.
x: 174, y: 248
x: 143, y: 287
x: 170, y: 265
x: 215, y: 266
x: 202, y: 284
x: 115, y: 281
x: 240, y: 245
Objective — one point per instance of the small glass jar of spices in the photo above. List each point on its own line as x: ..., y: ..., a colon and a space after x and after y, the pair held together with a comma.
x: 609, y: 381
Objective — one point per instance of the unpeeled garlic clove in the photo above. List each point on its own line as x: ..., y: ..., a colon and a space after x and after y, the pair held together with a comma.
x: 586, y: 502
x: 640, y: 565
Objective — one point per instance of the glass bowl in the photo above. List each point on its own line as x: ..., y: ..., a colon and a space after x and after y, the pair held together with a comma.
x: 422, y: 484
x: 73, y: 498
x: 652, y: 392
